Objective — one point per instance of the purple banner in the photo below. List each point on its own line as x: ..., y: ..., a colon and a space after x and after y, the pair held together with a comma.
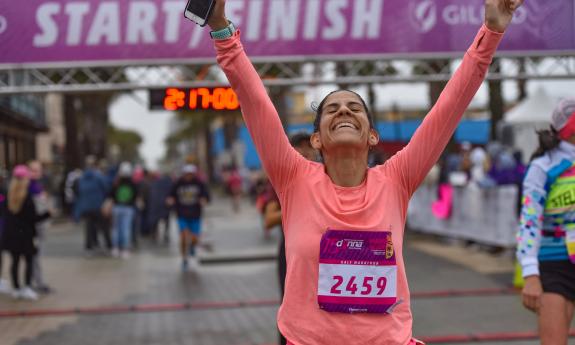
x: 45, y: 31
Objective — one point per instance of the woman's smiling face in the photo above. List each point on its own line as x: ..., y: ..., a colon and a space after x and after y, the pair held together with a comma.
x: 345, y: 122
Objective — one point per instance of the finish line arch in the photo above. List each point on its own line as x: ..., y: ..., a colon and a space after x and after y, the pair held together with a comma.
x: 118, y: 45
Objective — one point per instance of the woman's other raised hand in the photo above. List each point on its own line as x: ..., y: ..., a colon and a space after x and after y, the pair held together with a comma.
x: 499, y: 13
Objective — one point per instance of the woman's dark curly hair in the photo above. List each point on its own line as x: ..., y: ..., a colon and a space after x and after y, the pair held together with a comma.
x: 548, y: 140
x: 319, y: 109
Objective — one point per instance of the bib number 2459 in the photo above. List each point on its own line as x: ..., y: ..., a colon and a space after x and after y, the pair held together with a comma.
x: 366, y: 288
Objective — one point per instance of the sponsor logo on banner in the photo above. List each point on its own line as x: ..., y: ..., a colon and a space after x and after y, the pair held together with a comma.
x: 425, y: 15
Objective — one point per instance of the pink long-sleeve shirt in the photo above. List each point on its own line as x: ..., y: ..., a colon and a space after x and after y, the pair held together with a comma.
x: 311, y: 203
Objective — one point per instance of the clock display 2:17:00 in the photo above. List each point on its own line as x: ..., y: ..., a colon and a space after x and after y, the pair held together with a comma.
x: 218, y: 98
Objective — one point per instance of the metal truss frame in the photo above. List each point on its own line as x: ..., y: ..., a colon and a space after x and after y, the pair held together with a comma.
x: 135, y: 75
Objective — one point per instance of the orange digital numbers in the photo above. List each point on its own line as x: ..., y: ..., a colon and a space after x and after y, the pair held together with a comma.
x: 193, y: 99
x: 225, y: 98
x: 219, y: 98
x: 175, y: 99
x: 206, y: 97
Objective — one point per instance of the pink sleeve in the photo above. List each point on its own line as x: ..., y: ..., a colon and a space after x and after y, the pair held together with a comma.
x: 410, y: 166
x: 279, y: 159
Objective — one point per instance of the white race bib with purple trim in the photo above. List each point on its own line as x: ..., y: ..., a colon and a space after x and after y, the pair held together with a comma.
x: 357, y: 272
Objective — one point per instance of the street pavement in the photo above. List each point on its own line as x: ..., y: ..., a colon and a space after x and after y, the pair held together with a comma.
x: 237, y: 265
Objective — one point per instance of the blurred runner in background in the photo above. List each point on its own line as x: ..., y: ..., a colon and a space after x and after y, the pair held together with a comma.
x: 189, y: 195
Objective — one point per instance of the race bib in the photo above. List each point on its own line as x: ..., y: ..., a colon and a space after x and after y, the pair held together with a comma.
x: 570, y: 242
x: 357, y: 272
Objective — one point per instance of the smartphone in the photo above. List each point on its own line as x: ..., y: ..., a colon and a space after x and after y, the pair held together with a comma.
x: 199, y: 11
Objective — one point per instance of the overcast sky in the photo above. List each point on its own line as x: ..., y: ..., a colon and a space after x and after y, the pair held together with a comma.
x: 131, y: 111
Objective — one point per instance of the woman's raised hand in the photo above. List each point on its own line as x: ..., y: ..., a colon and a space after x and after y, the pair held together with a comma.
x: 218, y: 19
x: 498, y: 13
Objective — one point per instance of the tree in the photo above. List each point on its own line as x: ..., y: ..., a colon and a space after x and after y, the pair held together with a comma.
x: 86, y: 121
x: 194, y: 127
x: 86, y: 117
x: 496, y: 103
x: 366, y: 69
x: 127, y: 142
x: 278, y: 94
x: 522, y: 82
x: 433, y: 67
x: 436, y: 87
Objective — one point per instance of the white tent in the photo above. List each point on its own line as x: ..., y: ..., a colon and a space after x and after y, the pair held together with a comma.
x: 535, y: 109
x: 532, y: 114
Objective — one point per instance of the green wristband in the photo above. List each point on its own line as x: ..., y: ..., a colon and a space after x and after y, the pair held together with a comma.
x: 224, y: 33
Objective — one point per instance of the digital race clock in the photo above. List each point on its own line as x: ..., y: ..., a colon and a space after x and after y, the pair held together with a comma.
x: 201, y: 98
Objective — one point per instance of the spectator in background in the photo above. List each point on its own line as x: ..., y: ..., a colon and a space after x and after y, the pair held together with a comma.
x: 258, y: 189
x: 158, y: 211
x: 70, y: 184
x: 520, y: 172
x: 124, y: 196
x: 42, y: 203
x: 90, y: 192
x: 506, y: 168
x: 20, y: 230
x: 138, y: 226
x: 144, y: 192
x: 234, y: 186
x: 4, y: 286
x: 449, y: 172
x: 449, y: 163
x: 466, y: 164
x: 481, y: 164
x: 479, y: 161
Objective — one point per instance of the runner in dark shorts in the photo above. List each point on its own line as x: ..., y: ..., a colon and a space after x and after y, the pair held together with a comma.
x: 546, y: 240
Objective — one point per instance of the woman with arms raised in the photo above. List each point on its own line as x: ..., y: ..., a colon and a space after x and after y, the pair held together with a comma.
x: 344, y: 222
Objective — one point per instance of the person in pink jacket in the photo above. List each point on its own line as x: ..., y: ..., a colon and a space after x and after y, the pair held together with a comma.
x: 344, y: 222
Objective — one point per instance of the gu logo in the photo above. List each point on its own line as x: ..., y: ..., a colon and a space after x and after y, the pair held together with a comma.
x: 423, y: 15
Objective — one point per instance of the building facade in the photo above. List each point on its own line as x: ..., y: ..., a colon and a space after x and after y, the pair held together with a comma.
x: 22, y: 117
